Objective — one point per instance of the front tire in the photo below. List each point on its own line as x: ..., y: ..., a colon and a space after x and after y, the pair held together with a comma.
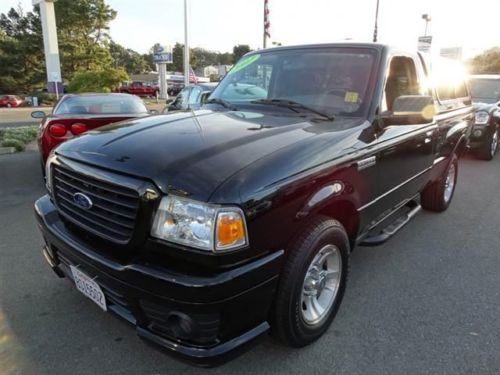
x: 312, y: 283
x: 437, y: 196
x: 489, y: 147
x: 9, y: 105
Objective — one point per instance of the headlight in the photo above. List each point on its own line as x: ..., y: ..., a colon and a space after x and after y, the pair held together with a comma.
x: 48, y: 171
x: 482, y: 118
x: 199, y: 225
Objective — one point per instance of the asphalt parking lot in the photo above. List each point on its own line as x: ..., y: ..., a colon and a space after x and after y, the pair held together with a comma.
x: 427, y: 302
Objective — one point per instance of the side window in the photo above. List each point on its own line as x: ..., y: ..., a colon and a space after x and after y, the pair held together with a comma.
x: 194, y: 96
x: 181, y: 100
x: 401, y: 80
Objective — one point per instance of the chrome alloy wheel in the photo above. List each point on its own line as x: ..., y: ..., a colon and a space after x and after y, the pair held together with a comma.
x: 449, y: 184
x: 321, y: 285
x: 494, y: 143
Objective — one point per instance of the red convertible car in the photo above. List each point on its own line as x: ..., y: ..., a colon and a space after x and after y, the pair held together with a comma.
x: 11, y: 101
x: 76, y: 114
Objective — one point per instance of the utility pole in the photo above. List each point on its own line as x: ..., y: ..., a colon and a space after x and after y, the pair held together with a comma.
x: 375, y: 29
x: 50, y: 43
x: 186, y: 45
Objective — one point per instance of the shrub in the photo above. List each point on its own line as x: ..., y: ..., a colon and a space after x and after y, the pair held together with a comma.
x: 16, y: 143
x: 107, y: 80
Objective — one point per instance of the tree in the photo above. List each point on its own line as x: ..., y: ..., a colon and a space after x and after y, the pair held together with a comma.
x: 106, y: 80
x: 240, y: 50
x: 83, y: 41
x: 128, y: 59
x: 487, y: 62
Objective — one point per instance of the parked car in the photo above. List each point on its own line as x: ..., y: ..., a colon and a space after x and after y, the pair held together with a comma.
x: 190, y: 98
x: 74, y: 115
x: 485, y: 91
x: 206, y: 229
x: 11, y: 101
x: 139, y: 89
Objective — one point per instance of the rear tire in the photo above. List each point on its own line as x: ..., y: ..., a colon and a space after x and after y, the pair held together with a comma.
x: 489, y: 147
x: 438, y: 196
x: 312, y: 283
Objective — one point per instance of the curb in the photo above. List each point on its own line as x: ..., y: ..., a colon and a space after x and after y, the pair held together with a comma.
x: 7, y: 150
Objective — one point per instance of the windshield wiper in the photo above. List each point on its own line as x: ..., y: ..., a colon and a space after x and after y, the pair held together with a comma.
x: 222, y: 102
x: 294, y: 106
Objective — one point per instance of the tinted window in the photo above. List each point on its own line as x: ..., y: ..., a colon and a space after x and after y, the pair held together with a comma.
x: 100, y: 104
x: 485, y: 90
x: 331, y: 80
x: 401, y: 80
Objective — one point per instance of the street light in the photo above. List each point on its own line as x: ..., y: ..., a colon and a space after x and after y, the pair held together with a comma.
x: 427, y: 19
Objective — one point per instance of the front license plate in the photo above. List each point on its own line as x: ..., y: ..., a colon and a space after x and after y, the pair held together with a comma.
x: 89, y: 287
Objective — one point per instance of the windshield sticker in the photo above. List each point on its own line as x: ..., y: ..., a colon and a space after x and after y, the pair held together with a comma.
x: 244, y: 63
x: 351, y: 97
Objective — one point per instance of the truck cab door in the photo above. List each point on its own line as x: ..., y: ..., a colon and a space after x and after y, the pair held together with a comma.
x: 405, y: 150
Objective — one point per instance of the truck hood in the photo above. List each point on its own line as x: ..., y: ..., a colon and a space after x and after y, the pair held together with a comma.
x: 191, y: 152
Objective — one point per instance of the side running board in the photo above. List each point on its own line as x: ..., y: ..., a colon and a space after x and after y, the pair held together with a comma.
x: 391, y: 229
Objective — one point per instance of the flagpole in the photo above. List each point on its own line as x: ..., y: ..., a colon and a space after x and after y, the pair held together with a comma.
x: 264, y: 23
x: 186, y: 45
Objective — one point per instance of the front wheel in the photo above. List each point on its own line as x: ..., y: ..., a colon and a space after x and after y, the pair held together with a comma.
x: 9, y: 105
x: 489, y: 147
x: 312, y: 283
x: 437, y: 196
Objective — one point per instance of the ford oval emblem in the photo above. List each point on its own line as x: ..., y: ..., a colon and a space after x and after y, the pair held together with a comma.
x: 82, y: 201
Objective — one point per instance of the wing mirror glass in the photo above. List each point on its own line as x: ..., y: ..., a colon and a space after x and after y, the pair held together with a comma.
x: 38, y: 114
x: 410, y: 109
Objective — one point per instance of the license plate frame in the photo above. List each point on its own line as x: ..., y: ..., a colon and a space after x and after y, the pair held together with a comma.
x: 89, y: 288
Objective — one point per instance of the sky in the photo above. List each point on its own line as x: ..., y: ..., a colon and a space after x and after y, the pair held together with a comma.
x: 220, y: 24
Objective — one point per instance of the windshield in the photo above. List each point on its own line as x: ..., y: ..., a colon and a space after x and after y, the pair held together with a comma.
x: 100, y: 104
x: 485, y: 90
x: 334, y: 81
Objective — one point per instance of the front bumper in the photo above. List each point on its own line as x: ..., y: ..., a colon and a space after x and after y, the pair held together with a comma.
x: 227, y: 310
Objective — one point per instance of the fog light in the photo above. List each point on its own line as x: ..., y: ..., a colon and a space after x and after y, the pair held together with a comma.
x: 181, y: 325
x: 478, y: 133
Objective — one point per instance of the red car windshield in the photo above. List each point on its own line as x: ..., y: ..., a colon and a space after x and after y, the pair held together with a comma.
x: 100, y: 104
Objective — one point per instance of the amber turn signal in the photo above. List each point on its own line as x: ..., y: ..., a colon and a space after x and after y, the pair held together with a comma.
x: 231, y: 230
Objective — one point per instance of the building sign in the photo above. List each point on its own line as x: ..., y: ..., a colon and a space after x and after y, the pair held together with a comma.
x: 424, y: 43
x: 454, y: 53
x: 162, y: 54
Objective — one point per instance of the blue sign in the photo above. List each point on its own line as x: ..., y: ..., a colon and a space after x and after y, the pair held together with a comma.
x: 162, y: 54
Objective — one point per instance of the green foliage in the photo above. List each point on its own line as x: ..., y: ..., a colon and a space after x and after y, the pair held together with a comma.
x: 83, y: 42
x: 18, y: 137
x: 106, y: 80
x: 486, y: 63
x: 240, y: 50
x: 16, y: 143
x: 128, y: 59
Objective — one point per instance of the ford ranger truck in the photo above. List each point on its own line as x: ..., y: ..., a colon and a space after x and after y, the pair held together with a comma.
x: 205, y: 230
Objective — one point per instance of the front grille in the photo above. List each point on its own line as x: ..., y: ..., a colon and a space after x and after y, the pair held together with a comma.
x: 114, y: 208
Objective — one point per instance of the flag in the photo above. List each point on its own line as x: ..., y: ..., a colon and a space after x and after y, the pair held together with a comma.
x: 192, y: 76
x: 267, y: 22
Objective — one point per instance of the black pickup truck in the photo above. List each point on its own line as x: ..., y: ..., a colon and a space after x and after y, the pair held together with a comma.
x: 207, y: 229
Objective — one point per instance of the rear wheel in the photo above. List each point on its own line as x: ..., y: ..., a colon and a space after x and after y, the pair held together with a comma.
x: 489, y: 147
x: 312, y: 283
x: 437, y: 196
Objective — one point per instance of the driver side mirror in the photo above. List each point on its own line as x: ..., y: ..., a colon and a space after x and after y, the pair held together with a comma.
x: 38, y: 114
x: 409, y: 110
